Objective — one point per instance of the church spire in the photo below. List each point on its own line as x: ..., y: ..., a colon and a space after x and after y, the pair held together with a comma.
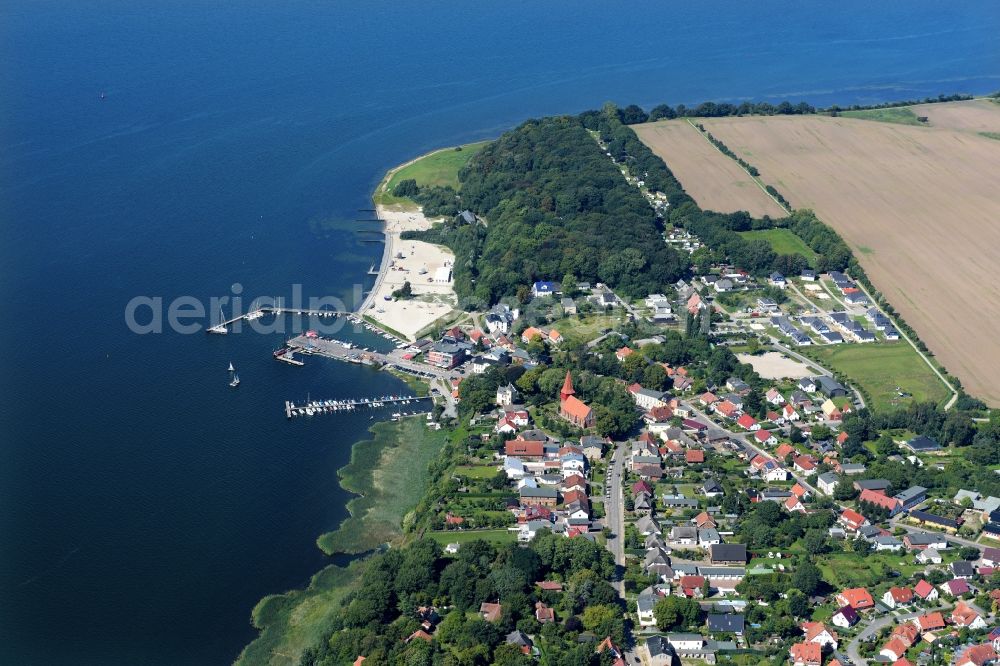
x: 567, y: 389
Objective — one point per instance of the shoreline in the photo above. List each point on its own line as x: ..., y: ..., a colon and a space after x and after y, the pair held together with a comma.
x: 287, y: 622
x: 413, y: 261
x: 383, y: 495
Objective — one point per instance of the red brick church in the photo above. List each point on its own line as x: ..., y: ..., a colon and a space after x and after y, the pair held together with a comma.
x: 572, y: 408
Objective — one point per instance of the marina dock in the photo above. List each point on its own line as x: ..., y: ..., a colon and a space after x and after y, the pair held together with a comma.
x: 414, y: 404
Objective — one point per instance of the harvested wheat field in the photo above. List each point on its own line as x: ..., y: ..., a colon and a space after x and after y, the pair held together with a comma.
x: 721, y: 184
x: 919, y: 206
x: 976, y: 115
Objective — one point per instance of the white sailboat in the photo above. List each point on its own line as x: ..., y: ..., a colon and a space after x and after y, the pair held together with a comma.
x: 231, y: 368
x: 236, y: 378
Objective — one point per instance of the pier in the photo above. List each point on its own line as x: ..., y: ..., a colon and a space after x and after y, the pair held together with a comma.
x: 222, y: 328
x: 314, y: 407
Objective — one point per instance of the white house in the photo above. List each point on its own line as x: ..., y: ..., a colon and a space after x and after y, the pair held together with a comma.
x: 827, y: 483
x: 647, y: 399
x: 645, y: 603
x: 506, y: 395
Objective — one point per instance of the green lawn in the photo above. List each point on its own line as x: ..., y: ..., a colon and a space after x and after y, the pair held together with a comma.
x: 476, y: 471
x: 783, y: 241
x: 386, y: 489
x: 849, y: 570
x: 901, y: 115
x: 880, y: 368
x: 465, y: 536
x: 584, y: 328
x: 436, y: 168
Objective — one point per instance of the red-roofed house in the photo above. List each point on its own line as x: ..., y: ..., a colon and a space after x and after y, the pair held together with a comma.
x: 907, y: 632
x: 964, y: 616
x: 891, y: 504
x: 789, y: 413
x: 527, y: 449
x: 794, y: 504
x: 784, y: 450
x: 727, y: 409
x: 806, y: 654
x: 624, y: 353
x: 858, y: 597
x: 977, y: 655
x: 805, y: 464
x: 419, y: 633
x: 694, y: 456
x: 748, y: 422
x: 852, y: 520
x: 691, y: 586
x: 799, y: 491
x: 929, y: 622
x: 703, y: 520
x: 897, y: 596
x: 530, y: 334
x: 765, y: 437
x: 816, y: 632
x: 894, y: 649
x: 708, y: 398
x: 925, y: 591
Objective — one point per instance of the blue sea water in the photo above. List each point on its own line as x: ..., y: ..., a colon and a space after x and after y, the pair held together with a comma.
x: 145, y: 506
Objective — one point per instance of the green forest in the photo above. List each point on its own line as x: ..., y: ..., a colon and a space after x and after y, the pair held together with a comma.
x: 379, y: 619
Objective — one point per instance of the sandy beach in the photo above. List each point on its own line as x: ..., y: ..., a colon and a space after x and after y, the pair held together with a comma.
x: 421, y: 265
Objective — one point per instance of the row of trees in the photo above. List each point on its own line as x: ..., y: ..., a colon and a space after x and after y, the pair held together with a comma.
x: 633, y: 114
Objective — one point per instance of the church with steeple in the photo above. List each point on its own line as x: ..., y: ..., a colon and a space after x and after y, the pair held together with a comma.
x: 572, y: 408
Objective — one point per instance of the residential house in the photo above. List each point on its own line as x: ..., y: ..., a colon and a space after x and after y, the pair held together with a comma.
x: 963, y: 569
x: 491, y: 612
x: 816, y: 632
x: 977, y: 655
x: 929, y: 556
x: 725, y: 553
x: 890, y: 504
x: 845, y: 617
x: 921, y: 540
x: 956, y: 587
x: 661, y: 653
x: 897, y: 596
x: 894, y: 649
x: 857, y: 597
x: 925, y: 591
x: 748, y: 422
x: 645, y: 603
x: 887, y: 542
x: 684, y: 535
x: 806, y: 654
x: 543, y: 613
x: 964, y: 615
x: 764, y: 437
x: 852, y: 520
x: 929, y: 622
x: 725, y: 623
x: 827, y: 483
x: 540, y: 289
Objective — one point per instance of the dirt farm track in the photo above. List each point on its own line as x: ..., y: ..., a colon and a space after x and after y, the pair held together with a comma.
x: 920, y: 207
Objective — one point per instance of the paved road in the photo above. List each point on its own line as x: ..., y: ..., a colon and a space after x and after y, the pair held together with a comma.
x: 877, y: 625
x: 615, y: 511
